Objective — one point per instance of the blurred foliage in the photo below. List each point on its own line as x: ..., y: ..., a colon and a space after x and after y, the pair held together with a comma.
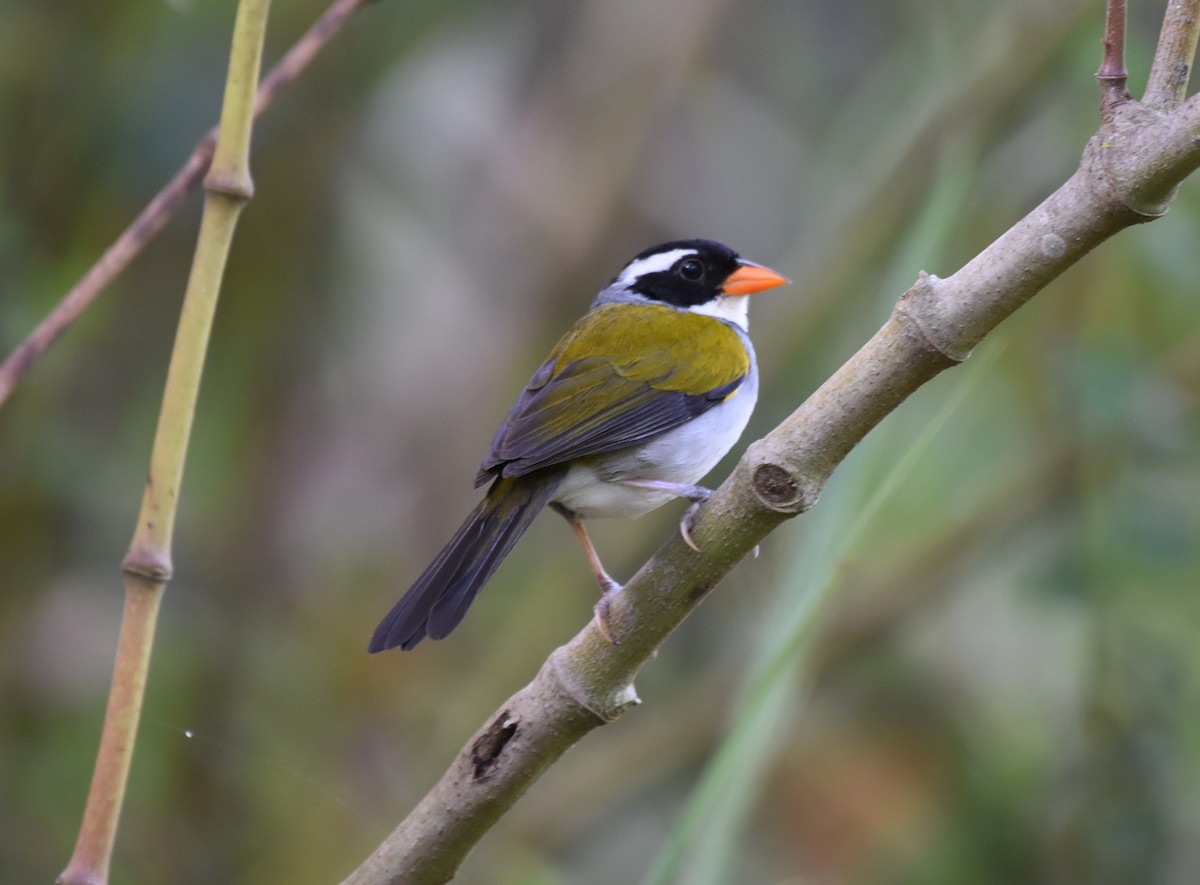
x: 976, y: 661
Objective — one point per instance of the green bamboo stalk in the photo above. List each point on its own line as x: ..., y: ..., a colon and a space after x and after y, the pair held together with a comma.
x: 147, y: 565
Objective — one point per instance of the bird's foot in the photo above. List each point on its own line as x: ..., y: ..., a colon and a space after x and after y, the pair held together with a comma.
x: 696, y: 494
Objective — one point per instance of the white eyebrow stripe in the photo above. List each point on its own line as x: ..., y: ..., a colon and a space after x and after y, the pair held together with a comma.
x: 651, y: 264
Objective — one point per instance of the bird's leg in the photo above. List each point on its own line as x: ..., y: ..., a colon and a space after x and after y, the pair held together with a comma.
x: 603, y: 578
x: 608, y: 586
x: 696, y: 494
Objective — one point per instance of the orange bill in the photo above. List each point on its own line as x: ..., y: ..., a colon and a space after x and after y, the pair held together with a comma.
x: 750, y: 278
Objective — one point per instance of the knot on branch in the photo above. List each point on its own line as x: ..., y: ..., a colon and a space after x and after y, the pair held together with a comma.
x: 776, y: 484
x: 488, y: 747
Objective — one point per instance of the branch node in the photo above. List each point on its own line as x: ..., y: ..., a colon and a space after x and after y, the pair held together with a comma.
x: 238, y: 186
x: 917, y: 309
x: 607, y: 705
x: 1117, y: 166
x: 152, y: 565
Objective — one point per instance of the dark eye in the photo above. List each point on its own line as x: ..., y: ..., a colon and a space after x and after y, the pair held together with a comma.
x: 691, y: 269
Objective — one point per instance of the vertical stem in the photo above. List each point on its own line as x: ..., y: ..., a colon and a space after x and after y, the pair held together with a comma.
x: 93, y: 850
x: 147, y: 565
x: 1112, y: 74
x: 150, y: 552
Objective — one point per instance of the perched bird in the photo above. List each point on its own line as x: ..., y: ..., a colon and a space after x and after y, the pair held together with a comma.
x: 638, y: 401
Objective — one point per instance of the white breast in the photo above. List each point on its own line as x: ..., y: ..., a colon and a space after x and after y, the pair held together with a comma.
x: 683, y: 455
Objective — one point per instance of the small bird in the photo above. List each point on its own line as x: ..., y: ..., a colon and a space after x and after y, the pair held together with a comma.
x: 638, y: 401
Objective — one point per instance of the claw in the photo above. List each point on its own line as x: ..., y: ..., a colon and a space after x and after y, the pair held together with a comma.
x: 601, y: 610
x: 685, y: 526
x: 698, y: 496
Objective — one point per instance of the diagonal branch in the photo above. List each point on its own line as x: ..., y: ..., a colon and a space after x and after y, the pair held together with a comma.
x: 1128, y: 174
x: 165, y: 204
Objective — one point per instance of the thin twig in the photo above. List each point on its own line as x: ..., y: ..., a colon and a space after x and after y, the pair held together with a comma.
x: 1112, y: 75
x: 163, y: 207
x: 1172, y: 66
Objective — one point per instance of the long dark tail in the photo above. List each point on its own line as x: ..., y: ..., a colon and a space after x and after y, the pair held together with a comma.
x: 436, y: 603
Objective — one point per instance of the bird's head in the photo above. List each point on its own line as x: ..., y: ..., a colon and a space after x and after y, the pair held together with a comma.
x: 702, y: 276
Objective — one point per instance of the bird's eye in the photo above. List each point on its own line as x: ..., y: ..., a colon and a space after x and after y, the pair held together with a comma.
x: 691, y: 269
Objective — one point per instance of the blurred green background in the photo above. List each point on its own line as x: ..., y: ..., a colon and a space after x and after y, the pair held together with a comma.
x: 975, y: 661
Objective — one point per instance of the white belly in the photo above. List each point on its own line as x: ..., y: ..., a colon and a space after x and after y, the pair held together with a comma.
x: 683, y: 455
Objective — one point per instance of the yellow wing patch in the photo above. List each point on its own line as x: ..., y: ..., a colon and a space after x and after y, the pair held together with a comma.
x: 668, y: 349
